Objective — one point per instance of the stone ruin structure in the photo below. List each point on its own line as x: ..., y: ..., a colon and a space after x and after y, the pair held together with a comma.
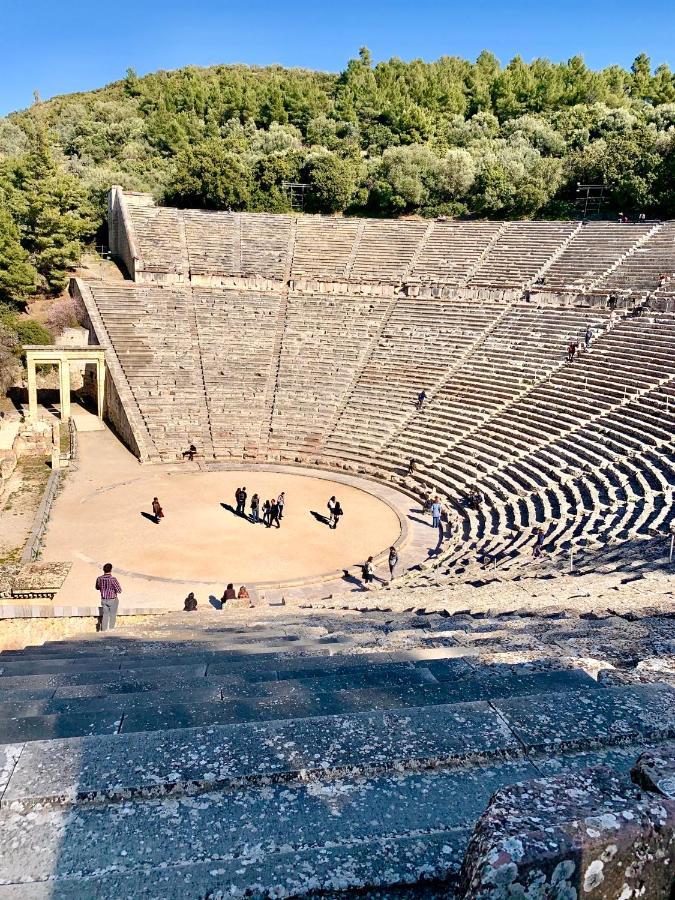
x: 460, y: 735
x: 306, y: 339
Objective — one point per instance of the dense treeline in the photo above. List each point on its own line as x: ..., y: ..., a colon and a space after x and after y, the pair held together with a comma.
x: 449, y: 137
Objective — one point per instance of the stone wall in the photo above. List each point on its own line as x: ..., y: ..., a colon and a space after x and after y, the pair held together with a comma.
x: 120, y: 233
x: 113, y: 407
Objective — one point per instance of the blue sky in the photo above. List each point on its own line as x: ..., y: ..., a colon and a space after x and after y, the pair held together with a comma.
x: 59, y: 46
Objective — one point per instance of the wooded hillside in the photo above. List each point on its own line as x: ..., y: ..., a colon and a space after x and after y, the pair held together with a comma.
x: 448, y: 137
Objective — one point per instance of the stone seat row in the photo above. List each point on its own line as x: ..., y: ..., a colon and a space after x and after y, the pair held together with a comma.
x: 182, y: 243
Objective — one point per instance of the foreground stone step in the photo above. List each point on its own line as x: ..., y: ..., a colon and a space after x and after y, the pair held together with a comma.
x: 265, y: 668
x: 330, y: 695
x: 251, y: 825
x: 153, y: 763
x: 576, y: 720
x: 47, y: 727
x: 433, y: 856
x: 196, y: 759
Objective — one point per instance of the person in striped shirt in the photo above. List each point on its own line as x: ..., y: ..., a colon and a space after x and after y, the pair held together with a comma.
x: 110, y: 589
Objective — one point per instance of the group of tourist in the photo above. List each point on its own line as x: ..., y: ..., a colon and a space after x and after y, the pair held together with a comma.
x: 229, y: 594
x: 574, y: 347
x: 272, y: 510
x: 368, y: 567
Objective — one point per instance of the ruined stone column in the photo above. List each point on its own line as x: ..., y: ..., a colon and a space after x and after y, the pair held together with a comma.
x: 64, y: 381
x: 32, y: 390
x: 100, y: 386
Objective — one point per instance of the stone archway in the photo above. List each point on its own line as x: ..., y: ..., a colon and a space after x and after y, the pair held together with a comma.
x: 62, y: 357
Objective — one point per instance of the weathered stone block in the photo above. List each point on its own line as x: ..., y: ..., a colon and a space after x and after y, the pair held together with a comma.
x: 655, y: 770
x: 586, y: 834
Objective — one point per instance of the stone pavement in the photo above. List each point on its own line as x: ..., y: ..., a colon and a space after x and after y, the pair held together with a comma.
x: 201, y: 545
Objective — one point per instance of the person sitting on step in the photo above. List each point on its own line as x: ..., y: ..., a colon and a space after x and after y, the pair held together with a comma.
x: 230, y: 594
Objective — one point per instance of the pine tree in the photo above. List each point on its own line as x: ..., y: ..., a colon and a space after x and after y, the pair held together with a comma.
x: 53, y: 212
x: 18, y: 278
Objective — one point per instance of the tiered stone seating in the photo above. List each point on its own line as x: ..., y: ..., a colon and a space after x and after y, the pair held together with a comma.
x: 421, y: 340
x: 330, y: 373
x: 323, y: 247
x: 213, y: 242
x: 291, y: 757
x: 326, y: 341
x: 520, y: 251
x: 386, y: 250
x: 152, y: 331
x: 452, y: 251
x: 641, y: 270
x: 265, y: 249
x: 238, y: 334
x: 158, y: 239
x: 524, y: 345
x: 595, y: 249
x: 574, y: 445
x: 568, y: 255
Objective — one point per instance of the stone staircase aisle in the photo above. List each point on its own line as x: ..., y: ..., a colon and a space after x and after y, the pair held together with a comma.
x: 209, y: 757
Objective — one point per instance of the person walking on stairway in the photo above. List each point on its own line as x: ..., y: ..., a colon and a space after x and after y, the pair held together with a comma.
x: 538, y: 545
x: 436, y: 510
x: 110, y: 590
x: 368, y: 570
x: 393, y: 562
x: 421, y: 397
x: 157, y: 510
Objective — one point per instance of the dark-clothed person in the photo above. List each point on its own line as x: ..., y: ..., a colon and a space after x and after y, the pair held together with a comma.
x: 157, y: 510
x: 230, y: 594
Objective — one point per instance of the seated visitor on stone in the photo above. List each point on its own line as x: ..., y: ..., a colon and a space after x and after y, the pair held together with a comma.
x: 190, y: 603
x: 190, y: 452
x: 243, y: 594
x: 230, y: 594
